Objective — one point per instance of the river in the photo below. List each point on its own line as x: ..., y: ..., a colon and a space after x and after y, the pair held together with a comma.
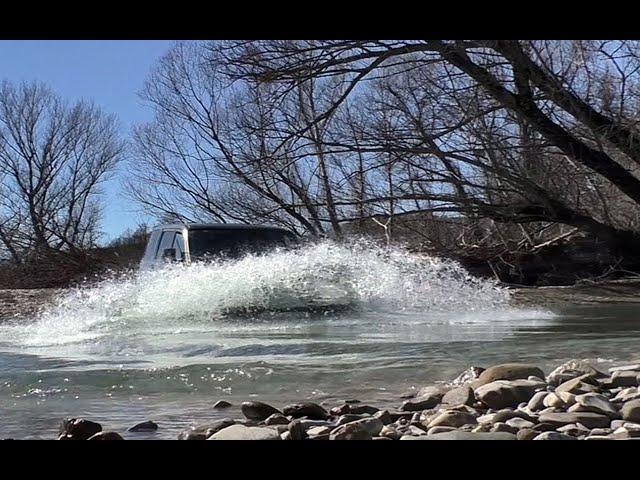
x: 326, y: 323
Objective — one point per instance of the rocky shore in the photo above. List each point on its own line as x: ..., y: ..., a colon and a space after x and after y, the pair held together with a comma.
x: 511, y: 401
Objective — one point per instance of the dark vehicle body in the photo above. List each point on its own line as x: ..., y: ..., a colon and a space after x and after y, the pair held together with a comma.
x: 191, y: 242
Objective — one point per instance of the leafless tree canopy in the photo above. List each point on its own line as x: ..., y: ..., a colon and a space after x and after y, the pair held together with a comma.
x: 53, y: 158
x: 516, y: 138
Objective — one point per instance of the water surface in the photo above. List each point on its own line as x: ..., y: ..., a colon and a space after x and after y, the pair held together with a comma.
x: 325, y: 323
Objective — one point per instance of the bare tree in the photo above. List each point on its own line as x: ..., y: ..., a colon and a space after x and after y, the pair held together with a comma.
x: 550, y: 87
x: 53, y: 159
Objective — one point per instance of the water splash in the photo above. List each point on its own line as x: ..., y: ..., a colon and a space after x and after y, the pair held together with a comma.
x: 359, y: 276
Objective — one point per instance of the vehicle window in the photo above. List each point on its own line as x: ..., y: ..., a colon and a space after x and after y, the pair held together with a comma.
x: 234, y: 243
x: 165, y: 242
x: 152, y: 245
x: 178, y: 244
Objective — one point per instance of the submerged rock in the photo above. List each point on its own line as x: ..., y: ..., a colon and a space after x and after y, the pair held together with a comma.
x: 106, y: 436
x: 220, y: 404
x: 147, y: 426
x: 258, y: 410
x: 310, y: 410
x: 78, y: 429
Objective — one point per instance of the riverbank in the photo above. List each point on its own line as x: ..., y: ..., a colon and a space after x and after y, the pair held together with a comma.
x: 22, y: 303
x: 575, y: 401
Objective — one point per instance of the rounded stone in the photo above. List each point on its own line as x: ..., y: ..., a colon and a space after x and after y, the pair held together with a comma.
x: 507, y: 371
x: 258, y: 410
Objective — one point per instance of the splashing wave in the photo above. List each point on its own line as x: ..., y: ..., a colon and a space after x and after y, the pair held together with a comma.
x: 326, y: 275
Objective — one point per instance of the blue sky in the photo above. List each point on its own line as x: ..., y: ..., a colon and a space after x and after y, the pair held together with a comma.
x: 110, y: 72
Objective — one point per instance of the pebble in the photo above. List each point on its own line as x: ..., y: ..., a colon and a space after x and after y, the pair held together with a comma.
x: 296, y: 430
x: 537, y: 401
x: 631, y: 411
x: 452, y: 418
x: 276, y: 419
x: 527, y: 434
x: 554, y: 436
x: 242, y: 432
x: 519, y: 423
x: 318, y: 431
x: 351, y: 431
x: 588, y: 419
x: 624, y: 378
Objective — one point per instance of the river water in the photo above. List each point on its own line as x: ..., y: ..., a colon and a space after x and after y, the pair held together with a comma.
x: 325, y: 322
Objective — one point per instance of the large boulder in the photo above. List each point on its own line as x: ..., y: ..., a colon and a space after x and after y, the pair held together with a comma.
x: 505, y: 393
x: 507, y: 371
x: 242, y: 432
